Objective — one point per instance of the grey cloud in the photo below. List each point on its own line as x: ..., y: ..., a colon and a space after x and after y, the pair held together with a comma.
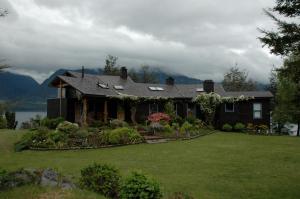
x: 197, y: 38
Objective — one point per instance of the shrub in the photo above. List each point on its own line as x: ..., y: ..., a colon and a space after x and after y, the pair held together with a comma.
x: 139, y: 186
x: 263, y: 129
x: 124, y: 135
x: 25, y: 142
x: 118, y: 123
x: 170, y: 109
x: 239, y: 127
x: 186, y: 128
x: 103, y: 179
x: 168, y: 130
x: 250, y: 127
x: 51, y: 123
x: 67, y: 128
x: 11, y: 120
x: 227, y: 127
x: 16, y: 178
x: 200, y: 124
x: 177, y: 119
x: 3, y: 122
x: 191, y: 119
x: 96, y: 124
x: 157, y: 117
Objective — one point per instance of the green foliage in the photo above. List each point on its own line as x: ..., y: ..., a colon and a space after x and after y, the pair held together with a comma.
x: 227, y: 127
x: 110, y: 67
x: 209, y: 103
x: 15, y: 179
x: 124, y: 135
x: 237, y: 80
x: 191, y: 119
x: 138, y: 186
x: 239, y: 127
x: 186, y: 128
x: 177, y: 119
x: 116, y: 123
x: 67, y: 127
x: 286, y: 40
x: 170, y: 109
x: 51, y: 123
x: 3, y: 122
x: 168, y: 130
x: 103, y: 179
x: 11, y: 120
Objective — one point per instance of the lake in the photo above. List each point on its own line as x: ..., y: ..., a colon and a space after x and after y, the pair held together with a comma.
x: 25, y: 116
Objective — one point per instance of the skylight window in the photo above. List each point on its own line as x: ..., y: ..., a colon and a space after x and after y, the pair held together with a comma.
x: 200, y: 90
x: 152, y: 88
x: 103, y: 85
x: 119, y: 87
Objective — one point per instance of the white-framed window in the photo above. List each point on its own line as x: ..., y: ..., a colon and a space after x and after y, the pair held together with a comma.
x: 257, y: 110
x: 229, y: 107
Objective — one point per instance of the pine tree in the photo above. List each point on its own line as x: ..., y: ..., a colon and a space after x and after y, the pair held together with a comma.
x: 286, y: 40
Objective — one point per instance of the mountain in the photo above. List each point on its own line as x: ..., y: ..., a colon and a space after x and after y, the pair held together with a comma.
x: 14, y: 86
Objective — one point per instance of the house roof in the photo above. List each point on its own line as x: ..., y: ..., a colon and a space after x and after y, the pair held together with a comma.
x: 89, y: 86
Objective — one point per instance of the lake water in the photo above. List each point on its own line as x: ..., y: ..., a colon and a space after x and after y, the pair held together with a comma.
x: 25, y: 116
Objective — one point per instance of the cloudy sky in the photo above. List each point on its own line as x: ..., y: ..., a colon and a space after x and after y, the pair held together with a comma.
x: 198, y: 38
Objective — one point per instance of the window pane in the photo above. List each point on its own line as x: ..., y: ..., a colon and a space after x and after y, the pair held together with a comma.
x: 257, y: 115
x: 257, y: 107
x: 229, y: 107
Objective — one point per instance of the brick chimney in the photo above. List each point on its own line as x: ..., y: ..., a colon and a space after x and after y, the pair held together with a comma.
x: 123, y: 74
x: 208, y: 86
x: 82, y: 72
x: 170, y: 81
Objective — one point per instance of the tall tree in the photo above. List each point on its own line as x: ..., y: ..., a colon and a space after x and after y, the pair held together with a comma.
x: 147, y: 76
x: 237, y: 80
x: 286, y: 40
x: 134, y: 75
x: 111, y: 67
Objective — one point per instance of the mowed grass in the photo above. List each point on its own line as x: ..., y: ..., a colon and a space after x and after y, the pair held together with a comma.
x: 220, y: 165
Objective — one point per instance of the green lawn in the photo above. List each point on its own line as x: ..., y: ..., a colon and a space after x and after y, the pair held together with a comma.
x: 221, y: 165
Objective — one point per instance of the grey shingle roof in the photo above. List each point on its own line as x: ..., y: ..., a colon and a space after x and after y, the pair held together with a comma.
x: 88, y: 86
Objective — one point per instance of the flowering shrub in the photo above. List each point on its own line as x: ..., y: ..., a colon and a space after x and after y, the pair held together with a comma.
x: 158, y: 117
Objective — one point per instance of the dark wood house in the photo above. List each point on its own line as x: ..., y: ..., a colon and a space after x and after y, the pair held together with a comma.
x: 83, y: 98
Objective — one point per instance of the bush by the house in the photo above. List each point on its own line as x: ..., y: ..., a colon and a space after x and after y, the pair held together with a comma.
x: 156, y: 127
x: 11, y: 120
x: 116, y: 123
x: 3, y: 122
x: 103, y: 179
x: 168, y: 131
x: 139, y: 186
x: 262, y: 129
x: 67, y: 127
x: 158, y: 117
x: 227, y: 127
x: 51, y: 123
x: 186, y: 128
x: 177, y: 119
x: 124, y: 135
x: 239, y: 127
x: 191, y: 120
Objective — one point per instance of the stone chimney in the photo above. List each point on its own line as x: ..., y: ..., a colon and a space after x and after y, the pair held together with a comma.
x: 208, y: 86
x: 82, y: 72
x: 170, y: 81
x: 123, y: 74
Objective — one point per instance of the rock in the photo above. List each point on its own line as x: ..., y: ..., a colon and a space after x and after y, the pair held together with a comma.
x: 53, y: 179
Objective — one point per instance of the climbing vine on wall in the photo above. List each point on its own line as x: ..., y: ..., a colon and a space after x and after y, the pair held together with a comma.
x: 209, y: 103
